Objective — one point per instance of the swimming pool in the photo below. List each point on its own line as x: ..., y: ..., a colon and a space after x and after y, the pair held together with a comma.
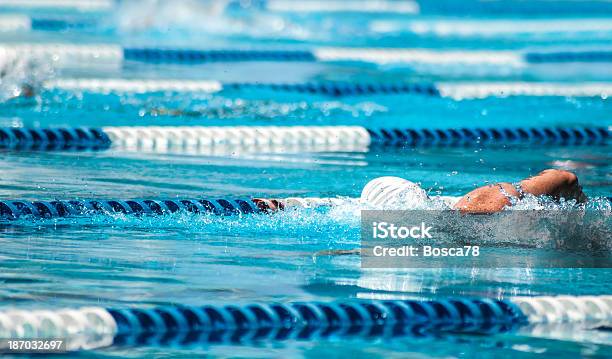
x: 275, y: 64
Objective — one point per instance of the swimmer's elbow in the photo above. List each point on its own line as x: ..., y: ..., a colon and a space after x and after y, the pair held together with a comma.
x: 568, y: 177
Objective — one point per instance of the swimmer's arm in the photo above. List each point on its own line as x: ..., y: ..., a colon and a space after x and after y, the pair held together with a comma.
x: 493, y: 198
x: 488, y: 199
x: 554, y: 183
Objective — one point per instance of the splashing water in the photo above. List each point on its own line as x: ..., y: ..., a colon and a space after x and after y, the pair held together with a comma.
x: 188, y: 19
x: 22, y: 77
x: 533, y: 222
x: 219, y: 107
x: 134, y: 16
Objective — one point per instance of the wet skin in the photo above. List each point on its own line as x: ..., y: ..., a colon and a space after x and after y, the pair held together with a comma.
x: 493, y: 198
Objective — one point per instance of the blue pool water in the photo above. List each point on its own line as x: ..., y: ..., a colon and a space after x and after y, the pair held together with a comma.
x: 303, y: 255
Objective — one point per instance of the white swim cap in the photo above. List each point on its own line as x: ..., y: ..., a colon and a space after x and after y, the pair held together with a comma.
x: 393, y: 193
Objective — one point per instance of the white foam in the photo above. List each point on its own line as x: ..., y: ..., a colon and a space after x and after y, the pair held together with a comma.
x: 19, y: 73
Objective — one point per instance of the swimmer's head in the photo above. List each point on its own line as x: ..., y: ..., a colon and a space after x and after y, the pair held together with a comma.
x: 393, y: 193
x: 28, y: 91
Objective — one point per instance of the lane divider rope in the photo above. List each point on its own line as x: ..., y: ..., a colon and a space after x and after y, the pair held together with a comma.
x: 302, y: 320
x: 479, y: 90
x: 162, y: 138
x: 376, y: 6
x: 210, y: 86
x: 372, y: 6
x: 569, y: 56
x: 66, y: 53
x: 137, y: 86
x: 15, y: 209
x: 456, y: 90
x: 111, y: 53
x: 494, y: 28
x: 12, y: 23
x: 18, y: 22
x: 80, y: 5
x: 440, y: 28
x: 22, y: 209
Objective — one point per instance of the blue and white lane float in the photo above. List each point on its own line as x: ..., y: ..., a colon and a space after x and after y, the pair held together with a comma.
x: 494, y: 28
x: 312, y: 6
x: 372, y: 6
x: 262, y: 138
x: 444, y: 28
x: 96, y: 327
x: 212, y: 86
x: 20, y: 209
x: 25, y: 23
x: 14, y: 23
x: 454, y: 90
x: 110, y: 54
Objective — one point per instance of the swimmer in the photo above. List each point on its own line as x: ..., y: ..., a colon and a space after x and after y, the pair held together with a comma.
x: 15, y: 80
x: 400, y: 193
